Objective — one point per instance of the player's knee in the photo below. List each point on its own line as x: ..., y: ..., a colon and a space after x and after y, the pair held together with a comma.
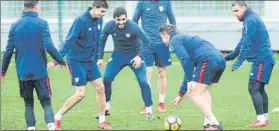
x: 45, y: 102
x: 196, y: 89
x: 100, y: 89
x: 80, y: 95
x: 253, y: 86
x: 143, y: 82
x: 148, y: 73
x: 29, y: 101
x: 161, y: 73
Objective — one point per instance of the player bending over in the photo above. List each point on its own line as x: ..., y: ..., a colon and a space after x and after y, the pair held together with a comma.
x: 193, y: 51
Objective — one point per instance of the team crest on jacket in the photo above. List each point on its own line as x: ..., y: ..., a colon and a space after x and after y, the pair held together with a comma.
x: 128, y: 35
x: 161, y: 8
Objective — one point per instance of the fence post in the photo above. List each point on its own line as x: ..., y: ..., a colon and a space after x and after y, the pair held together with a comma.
x: 60, y: 24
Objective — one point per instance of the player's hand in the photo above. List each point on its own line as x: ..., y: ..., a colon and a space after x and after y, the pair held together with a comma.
x: 136, y: 62
x: 100, y: 63
x: 65, y: 65
x: 51, y: 64
x: 3, y: 74
x: 177, y: 102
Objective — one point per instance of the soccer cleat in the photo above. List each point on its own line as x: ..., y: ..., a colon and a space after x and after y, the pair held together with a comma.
x: 267, y: 122
x: 143, y: 111
x: 206, y: 126
x: 107, y: 113
x: 215, y: 128
x: 257, y: 123
x: 57, y: 125
x: 161, y: 107
x: 149, y: 117
x: 105, y: 125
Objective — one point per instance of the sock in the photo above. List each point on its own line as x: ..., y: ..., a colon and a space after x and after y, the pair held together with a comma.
x: 58, y: 116
x: 266, y: 115
x: 261, y: 118
x: 107, y: 106
x: 162, y: 98
x: 213, y: 120
x: 149, y: 110
x: 31, y: 128
x: 101, y: 118
x: 206, y: 121
x: 51, y: 126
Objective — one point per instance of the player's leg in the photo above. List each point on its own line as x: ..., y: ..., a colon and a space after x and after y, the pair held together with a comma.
x: 259, y: 76
x: 26, y: 92
x: 262, y: 75
x: 216, y: 73
x: 114, y: 66
x: 265, y: 100
x: 140, y: 74
x: 254, y: 90
x: 206, y: 122
x: 149, y: 60
x: 101, y: 101
x: 79, y: 81
x: 198, y: 92
x: 94, y: 76
x: 162, y: 87
x: 162, y: 60
x: 43, y: 90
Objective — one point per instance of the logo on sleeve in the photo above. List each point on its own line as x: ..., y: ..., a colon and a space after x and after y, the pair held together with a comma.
x: 76, y: 79
x: 148, y: 9
x: 99, y: 27
x: 161, y: 8
x: 89, y: 29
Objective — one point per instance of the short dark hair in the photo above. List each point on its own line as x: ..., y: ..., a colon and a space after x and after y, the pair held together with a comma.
x: 100, y: 4
x: 167, y: 28
x: 240, y: 3
x: 119, y: 11
x: 30, y: 4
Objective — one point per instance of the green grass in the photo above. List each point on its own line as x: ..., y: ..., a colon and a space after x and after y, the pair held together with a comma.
x: 231, y: 102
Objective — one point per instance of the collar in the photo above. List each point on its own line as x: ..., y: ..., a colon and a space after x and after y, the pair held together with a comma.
x: 29, y: 13
x: 246, y: 14
x: 173, y: 34
x: 89, y: 15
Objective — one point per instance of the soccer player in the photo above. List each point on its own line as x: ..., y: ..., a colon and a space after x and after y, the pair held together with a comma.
x: 30, y: 38
x: 128, y: 51
x: 194, y: 51
x: 153, y: 13
x: 254, y: 46
x: 80, y: 45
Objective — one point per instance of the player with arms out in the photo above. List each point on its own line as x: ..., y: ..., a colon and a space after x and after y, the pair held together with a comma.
x: 30, y: 38
x: 80, y: 46
x: 153, y: 13
x: 128, y: 51
x: 254, y: 46
x: 193, y: 51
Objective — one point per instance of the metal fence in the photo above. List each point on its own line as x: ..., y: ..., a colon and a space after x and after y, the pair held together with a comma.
x: 210, y: 19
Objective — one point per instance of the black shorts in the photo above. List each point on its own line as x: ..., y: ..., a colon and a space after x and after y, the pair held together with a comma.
x: 41, y: 86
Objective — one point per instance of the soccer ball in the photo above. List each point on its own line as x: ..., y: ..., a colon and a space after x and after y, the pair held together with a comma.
x: 172, y: 123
